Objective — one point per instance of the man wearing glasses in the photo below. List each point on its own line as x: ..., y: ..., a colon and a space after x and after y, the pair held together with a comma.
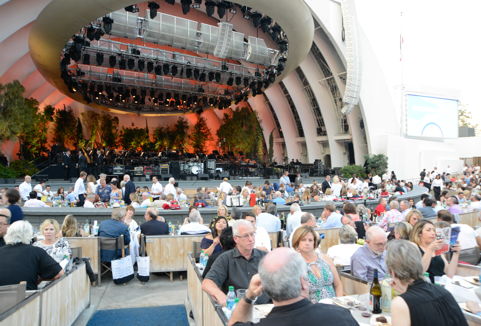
x: 4, y: 222
x: 235, y: 267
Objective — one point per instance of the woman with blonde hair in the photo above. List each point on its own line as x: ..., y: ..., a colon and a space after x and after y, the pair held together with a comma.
x: 57, y: 247
x: 324, y: 281
x: 91, y: 184
x: 413, y: 217
x: 402, y: 231
x: 70, y: 227
x: 336, y: 186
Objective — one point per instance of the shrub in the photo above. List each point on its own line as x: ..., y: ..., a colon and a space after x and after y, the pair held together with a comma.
x: 349, y: 170
x: 22, y: 168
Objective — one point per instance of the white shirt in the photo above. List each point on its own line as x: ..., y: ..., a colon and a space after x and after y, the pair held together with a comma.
x: 156, y: 189
x: 376, y: 179
x: 146, y: 203
x: 341, y: 253
x: 25, y: 189
x: 269, y: 222
x: 225, y: 187
x: 35, y: 203
x: 38, y: 189
x: 476, y: 205
x: 284, y: 180
x: 437, y: 183
x: 262, y: 238
x: 293, y: 221
x: 194, y: 228
x: 88, y: 204
x: 466, y: 237
x: 170, y: 189
x: 79, y: 187
x: 336, y: 189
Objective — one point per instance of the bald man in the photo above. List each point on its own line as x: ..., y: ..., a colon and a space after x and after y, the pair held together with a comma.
x: 4, y: 223
x: 283, y: 277
x: 371, y: 256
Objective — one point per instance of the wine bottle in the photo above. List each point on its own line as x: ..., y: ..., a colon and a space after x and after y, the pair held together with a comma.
x: 376, y: 294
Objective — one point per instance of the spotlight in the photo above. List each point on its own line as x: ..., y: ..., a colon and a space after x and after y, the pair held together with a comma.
x: 185, y: 6
x: 112, y: 61
x: 238, y: 80
x: 230, y: 81
x: 196, y: 4
x: 202, y: 76
x: 224, y: 67
x: 246, y: 81
x: 209, y: 7
x: 140, y: 65
x: 122, y: 63
x: 99, y: 57
x: 158, y: 70
x: 166, y: 68
x: 132, y: 8
x: 282, y: 45
x: 256, y: 19
x: 188, y: 72
x: 174, y: 70
x: 86, y: 59
x: 246, y: 11
x: 91, y: 33
x: 153, y: 6
x: 211, y: 75
x: 130, y: 63
x: 196, y: 73
x: 150, y: 66
x: 107, y: 24
x: 217, y: 77
x: 221, y: 9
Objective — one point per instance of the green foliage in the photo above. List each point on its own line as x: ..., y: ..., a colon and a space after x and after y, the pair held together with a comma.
x: 133, y: 138
x: 349, y: 170
x: 15, y: 111
x: 7, y: 172
x: 376, y: 164
x: 163, y: 137
x: 181, y: 133
x: 241, y: 132
x: 200, y: 135
x: 65, y: 129
x: 108, y: 130
x: 22, y: 168
x: 33, y: 136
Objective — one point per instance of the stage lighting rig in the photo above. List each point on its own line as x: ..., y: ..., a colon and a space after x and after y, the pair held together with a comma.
x: 196, y: 4
x: 246, y: 11
x: 209, y: 7
x: 185, y: 6
x: 153, y: 6
x: 90, y: 33
x: 99, y: 57
x: 256, y: 19
x: 112, y: 61
x: 221, y: 8
x: 132, y: 8
x: 107, y: 24
x: 86, y: 59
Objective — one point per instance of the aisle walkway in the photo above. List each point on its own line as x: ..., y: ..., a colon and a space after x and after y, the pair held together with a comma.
x: 158, y: 292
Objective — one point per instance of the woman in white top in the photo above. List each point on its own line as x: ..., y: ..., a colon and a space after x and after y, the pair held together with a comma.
x: 91, y: 187
x: 341, y: 253
x: 437, y: 187
x: 57, y: 247
x: 134, y: 231
x: 336, y: 186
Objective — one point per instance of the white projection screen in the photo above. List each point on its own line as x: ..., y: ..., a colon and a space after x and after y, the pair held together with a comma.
x: 431, y: 117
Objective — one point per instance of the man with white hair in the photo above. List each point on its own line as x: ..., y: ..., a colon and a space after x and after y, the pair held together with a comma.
x: 294, y: 218
x: 35, y: 262
x: 89, y: 201
x: 4, y: 223
x: 195, y: 225
x: 146, y: 202
x: 129, y: 188
x: 25, y: 188
x: 404, y: 208
x: 170, y: 188
x: 371, y: 256
x: 283, y: 277
x: 392, y: 216
x: 235, y: 267
x: 225, y: 186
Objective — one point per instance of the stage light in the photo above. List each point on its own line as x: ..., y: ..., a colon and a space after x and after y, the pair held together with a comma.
x: 166, y: 68
x: 107, y: 24
x: 221, y: 9
x: 122, y: 63
x: 132, y: 8
x: 256, y: 19
x: 265, y: 22
x: 202, y: 77
x: 185, y: 6
x: 196, y: 73
x: 170, y: 2
x: 238, y: 80
x: 140, y: 64
x: 211, y: 75
x: 98, y: 34
x: 230, y: 80
x: 99, y: 57
x: 217, y: 77
x: 188, y: 72
x: 246, y: 81
x: 209, y: 7
x: 150, y: 66
x: 174, y: 70
x: 91, y: 33
x: 153, y: 6
x: 112, y: 61
x: 130, y: 63
x: 224, y: 67
x: 158, y: 70
x: 196, y: 4
x: 86, y: 59
x: 246, y: 11
x: 282, y: 45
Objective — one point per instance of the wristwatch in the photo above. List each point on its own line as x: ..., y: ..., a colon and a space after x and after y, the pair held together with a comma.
x: 250, y: 301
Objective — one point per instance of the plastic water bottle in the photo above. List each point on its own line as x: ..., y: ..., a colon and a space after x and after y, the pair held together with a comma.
x: 230, y: 303
x: 201, y: 258
x: 206, y: 259
x: 426, y: 277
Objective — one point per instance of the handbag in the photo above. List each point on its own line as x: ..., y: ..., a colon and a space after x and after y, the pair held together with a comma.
x: 122, y: 270
x: 143, y: 262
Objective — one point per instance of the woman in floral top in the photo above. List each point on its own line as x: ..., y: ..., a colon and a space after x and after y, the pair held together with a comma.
x: 58, y: 248
x: 324, y: 281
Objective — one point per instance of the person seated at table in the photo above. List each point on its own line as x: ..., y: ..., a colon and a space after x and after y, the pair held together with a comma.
x: 392, y: 216
x: 114, y: 228
x: 283, y: 277
x: 33, y: 201
x: 53, y: 243
x: 12, y: 197
x: 134, y: 200
x: 223, y: 211
x: 235, y: 267
x: 381, y: 207
x: 263, y: 240
x: 419, y: 302
x: 90, y: 200
x: 153, y: 225
x: 424, y: 236
x: 402, y: 231
x: 351, y: 211
x: 60, y: 194
x: 24, y: 262
x: 324, y: 281
x: 341, y: 254
x: 211, y: 242
x: 194, y: 225
x: 4, y: 223
x: 103, y: 190
x: 413, y: 217
x: 371, y: 256
x: 227, y: 242
x: 70, y: 227
x: 307, y: 219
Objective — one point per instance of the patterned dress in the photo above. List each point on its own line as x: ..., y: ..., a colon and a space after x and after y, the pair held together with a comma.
x: 58, y: 250
x: 320, y: 287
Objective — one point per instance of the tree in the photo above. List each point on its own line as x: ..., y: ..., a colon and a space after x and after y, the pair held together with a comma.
x: 376, y: 164
x: 90, y: 121
x: 108, y: 130
x: 180, y: 134
x: 349, y: 170
x: 200, y: 135
x: 465, y: 119
x: 134, y: 138
x: 163, y: 138
x: 65, y: 127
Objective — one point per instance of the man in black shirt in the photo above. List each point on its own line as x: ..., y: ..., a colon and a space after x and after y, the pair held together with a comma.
x: 283, y: 276
x: 153, y: 226
x: 35, y: 264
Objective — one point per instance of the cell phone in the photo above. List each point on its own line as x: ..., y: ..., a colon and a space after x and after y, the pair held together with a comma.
x: 454, y: 235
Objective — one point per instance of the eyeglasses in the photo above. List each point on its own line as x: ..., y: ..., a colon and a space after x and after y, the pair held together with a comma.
x: 247, y: 235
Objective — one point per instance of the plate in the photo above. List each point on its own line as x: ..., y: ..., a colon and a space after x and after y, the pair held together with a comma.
x: 373, y: 321
x: 473, y: 280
